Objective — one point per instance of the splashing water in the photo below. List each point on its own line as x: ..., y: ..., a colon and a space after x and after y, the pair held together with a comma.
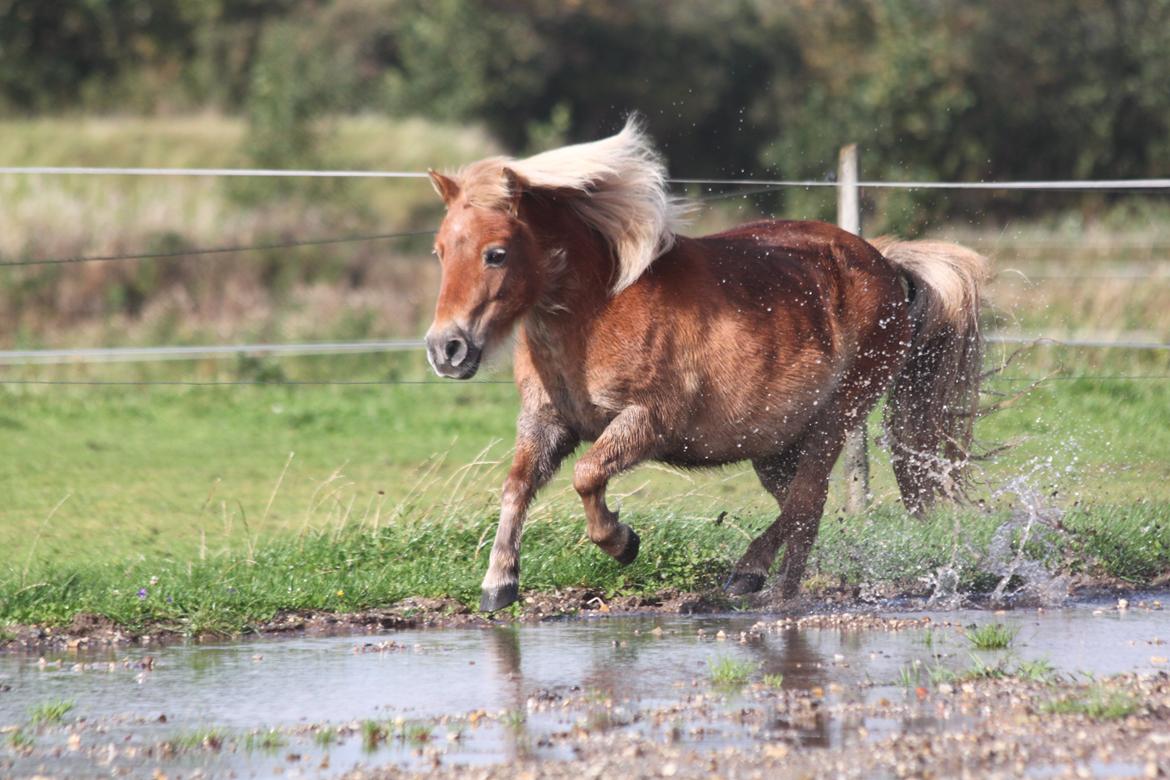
x: 1024, y: 549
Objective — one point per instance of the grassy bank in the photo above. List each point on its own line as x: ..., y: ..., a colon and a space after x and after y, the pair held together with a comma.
x: 215, y: 508
x: 353, y: 568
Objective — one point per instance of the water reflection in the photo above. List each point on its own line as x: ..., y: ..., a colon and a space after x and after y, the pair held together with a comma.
x: 619, y: 672
x: 503, y: 646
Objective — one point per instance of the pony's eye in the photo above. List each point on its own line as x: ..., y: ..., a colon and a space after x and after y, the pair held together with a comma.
x: 494, y: 257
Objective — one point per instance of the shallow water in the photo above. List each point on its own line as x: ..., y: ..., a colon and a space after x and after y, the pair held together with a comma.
x: 633, y: 668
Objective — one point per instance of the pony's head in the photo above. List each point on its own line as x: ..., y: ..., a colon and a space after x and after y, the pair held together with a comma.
x: 491, y: 275
x: 498, y: 265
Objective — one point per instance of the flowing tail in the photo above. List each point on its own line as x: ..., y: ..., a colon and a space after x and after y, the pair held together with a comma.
x: 934, y: 399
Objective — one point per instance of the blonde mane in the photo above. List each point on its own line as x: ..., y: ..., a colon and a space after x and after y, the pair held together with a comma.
x: 620, y: 187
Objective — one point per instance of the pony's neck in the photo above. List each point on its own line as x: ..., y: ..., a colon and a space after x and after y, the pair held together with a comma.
x: 582, y: 269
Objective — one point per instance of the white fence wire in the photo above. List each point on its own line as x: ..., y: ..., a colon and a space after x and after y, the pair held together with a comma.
x: 160, y: 353
x: 213, y: 351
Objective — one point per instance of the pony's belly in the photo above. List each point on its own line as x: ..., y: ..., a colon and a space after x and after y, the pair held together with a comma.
x: 722, y: 443
x: 762, y: 411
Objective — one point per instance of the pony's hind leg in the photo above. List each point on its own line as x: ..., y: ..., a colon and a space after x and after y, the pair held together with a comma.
x: 800, y: 515
x: 776, y: 473
x: 626, y: 441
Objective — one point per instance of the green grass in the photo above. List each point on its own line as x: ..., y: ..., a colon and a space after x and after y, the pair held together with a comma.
x: 928, y: 639
x: 774, y: 681
x: 372, y: 568
x: 20, y: 740
x: 49, y: 713
x: 1097, y: 703
x: 1038, y: 670
x: 373, y: 734
x: 992, y: 636
x: 910, y: 675
x: 212, y: 509
x: 978, y: 670
x: 728, y: 672
x: 199, y: 739
x: 418, y: 733
x: 267, y: 741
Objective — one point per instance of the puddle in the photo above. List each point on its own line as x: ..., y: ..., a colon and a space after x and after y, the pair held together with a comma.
x: 484, y: 696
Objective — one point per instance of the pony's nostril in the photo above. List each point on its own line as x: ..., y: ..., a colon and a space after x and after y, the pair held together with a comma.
x: 456, y: 350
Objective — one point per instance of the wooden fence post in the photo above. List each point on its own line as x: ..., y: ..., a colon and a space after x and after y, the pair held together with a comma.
x: 849, y: 218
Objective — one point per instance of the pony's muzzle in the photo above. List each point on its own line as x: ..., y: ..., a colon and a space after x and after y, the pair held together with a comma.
x: 452, y: 353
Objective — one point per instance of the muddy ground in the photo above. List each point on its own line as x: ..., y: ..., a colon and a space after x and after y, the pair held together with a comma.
x: 93, y: 631
x: 1008, y: 729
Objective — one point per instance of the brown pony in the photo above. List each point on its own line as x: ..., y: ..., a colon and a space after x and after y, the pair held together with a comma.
x: 766, y: 343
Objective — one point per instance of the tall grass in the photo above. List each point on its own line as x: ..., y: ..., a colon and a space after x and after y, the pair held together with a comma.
x: 383, y: 288
x: 345, y: 289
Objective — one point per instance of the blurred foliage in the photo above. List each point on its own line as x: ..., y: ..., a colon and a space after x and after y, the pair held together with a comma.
x: 995, y: 90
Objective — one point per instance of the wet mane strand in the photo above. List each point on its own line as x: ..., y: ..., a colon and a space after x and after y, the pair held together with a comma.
x: 618, y: 187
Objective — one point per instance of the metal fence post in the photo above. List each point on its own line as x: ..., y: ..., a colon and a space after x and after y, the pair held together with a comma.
x: 849, y: 218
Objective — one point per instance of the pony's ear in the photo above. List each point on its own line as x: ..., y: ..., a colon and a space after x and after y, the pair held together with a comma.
x: 447, y: 187
x: 517, y: 185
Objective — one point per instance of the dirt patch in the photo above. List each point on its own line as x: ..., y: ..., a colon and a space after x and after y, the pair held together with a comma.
x: 89, y: 630
x: 93, y: 631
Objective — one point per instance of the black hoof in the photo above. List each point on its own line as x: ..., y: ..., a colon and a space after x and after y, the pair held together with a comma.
x: 627, y: 556
x: 491, y: 599
x: 741, y: 583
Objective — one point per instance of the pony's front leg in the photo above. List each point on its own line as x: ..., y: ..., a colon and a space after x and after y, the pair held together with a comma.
x: 541, y: 445
x: 627, y: 440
